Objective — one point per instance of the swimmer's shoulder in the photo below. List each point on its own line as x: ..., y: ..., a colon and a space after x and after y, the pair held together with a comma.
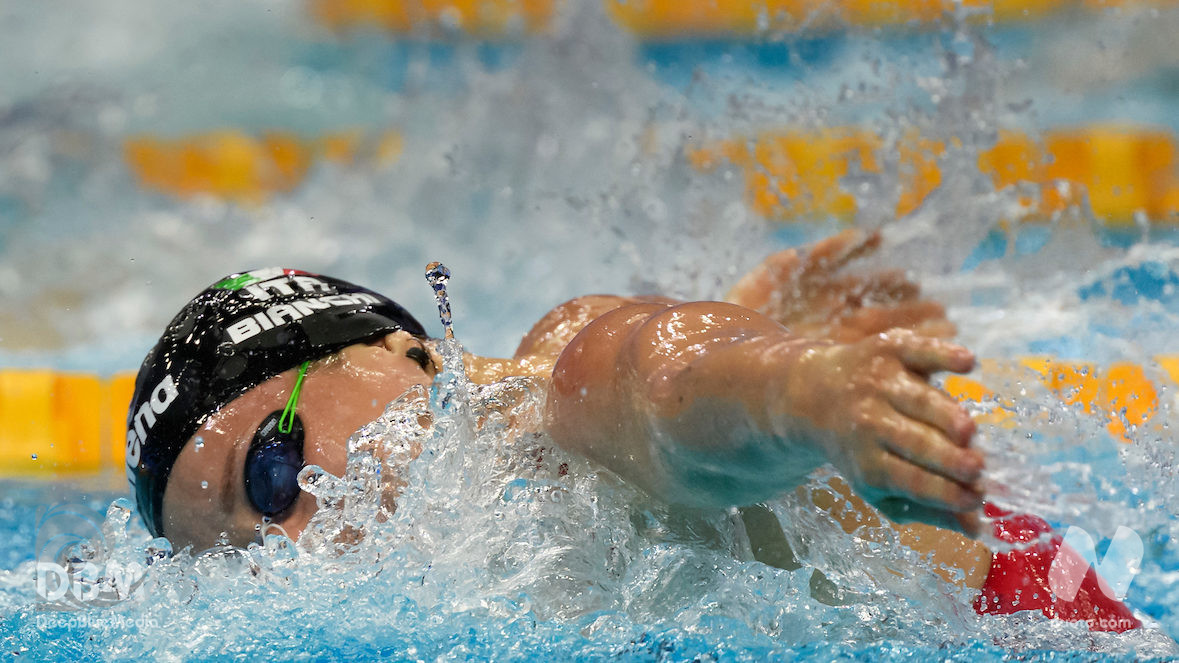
x: 542, y: 345
x: 549, y: 336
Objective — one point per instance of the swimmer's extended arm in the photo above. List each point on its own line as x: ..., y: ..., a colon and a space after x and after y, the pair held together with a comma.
x: 713, y: 404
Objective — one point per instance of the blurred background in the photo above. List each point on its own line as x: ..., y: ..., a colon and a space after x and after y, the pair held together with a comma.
x: 540, y: 148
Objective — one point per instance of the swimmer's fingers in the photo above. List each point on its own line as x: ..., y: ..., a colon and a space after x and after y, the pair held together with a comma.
x: 891, y: 286
x: 903, y: 477
x: 831, y: 254
x: 826, y: 253
x: 917, y: 400
x: 928, y: 448
x: 887, y: 288
x: 922, y: 316
x: 912, y: 314
x: 970, y: 522
x: 935, y: 328
x: 756, y: 288
x: 925, y: 355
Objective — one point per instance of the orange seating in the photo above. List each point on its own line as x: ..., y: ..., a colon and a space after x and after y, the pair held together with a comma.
x: 679, y: 19
x: 236, y: 166
x: 796, y: 175
x: 53, y: 422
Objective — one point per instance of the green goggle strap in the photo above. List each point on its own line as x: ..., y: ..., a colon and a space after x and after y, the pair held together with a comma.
x: 287, y: 420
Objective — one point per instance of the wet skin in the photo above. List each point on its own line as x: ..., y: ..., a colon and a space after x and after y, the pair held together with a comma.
x: 638, y: 381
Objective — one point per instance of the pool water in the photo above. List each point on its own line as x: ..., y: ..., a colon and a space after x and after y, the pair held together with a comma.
x: 541, y: 167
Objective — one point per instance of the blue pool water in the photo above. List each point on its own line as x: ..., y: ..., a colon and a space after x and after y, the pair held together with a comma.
x: 539, y: 169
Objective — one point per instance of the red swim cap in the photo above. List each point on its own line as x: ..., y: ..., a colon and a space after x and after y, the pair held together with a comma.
x: 1019, y: 578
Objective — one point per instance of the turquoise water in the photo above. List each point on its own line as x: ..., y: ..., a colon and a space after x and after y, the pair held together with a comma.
x: 537, y: 170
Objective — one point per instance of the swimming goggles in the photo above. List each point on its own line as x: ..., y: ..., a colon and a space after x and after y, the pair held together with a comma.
x: 275, y: 457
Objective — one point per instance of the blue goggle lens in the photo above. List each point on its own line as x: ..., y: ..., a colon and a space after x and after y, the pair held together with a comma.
x: 273, y: 463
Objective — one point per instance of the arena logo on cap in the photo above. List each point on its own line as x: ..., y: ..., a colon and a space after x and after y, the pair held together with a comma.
x: 144, y: 419
x: 280, y: 315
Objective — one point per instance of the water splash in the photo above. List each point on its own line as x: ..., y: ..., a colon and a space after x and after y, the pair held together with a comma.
x: 455, y: 530
x: 437, y: 275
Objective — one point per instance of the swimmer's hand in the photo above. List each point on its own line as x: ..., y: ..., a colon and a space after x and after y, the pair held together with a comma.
x: 883, y: 425
x: 807, y: 292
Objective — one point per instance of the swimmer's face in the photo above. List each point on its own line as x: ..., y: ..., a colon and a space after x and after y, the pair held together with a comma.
x: 206, y: 492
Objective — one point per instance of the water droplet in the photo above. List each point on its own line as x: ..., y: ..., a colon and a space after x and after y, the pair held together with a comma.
x: 437, y: 275
x: 204, y: 485
x: 34, y: 456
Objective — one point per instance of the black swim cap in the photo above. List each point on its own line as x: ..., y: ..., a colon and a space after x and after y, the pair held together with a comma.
x: 236, y: 334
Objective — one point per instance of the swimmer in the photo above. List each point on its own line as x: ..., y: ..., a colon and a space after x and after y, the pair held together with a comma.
x: 703, y: 404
